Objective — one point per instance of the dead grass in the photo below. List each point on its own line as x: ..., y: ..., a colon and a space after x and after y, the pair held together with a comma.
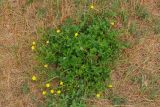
x: 153, y: 6
x: 141, y: 63
x: 135, y: 78
x: 18, y: 28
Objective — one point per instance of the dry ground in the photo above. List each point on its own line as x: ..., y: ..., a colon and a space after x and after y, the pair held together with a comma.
x: 136, y: 78
x: 17, y: 31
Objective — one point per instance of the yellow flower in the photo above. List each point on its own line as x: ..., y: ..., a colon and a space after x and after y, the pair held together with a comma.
x: 52, y: 91
x: 48, y: 85
x: 76, y: 34
x: 91, y: 6
x: 34, y: 78
x: 110, y: 86
x: 59, y: 92
x: 98, y: 95
x: 58, y: 31
x: 47, y: 42
x: 44, y: 92
x: 33, y: 48
x: 112, y: 23
x: 46, y: 65
x: 61, y: 83
x: 33, y: 43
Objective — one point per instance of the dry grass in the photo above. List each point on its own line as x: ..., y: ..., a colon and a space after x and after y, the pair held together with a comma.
x: 153, y: 6
x: 18, y: 27
x: 136, y: 78
x: 18, y: 30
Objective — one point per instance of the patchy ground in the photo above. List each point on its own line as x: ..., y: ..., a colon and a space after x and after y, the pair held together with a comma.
x: 17, y: 27
x: 137, y: 78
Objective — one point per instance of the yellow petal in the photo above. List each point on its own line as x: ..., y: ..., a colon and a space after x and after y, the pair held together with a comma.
x: 98, y: 95
x: 110, y: 86
x: 76, y: 34
x: 33, y: 43
x: 52, y: 91
x: 47, y: 42
x: 59, y: 92
x: 58, y: 31
x: 33, y: 47
x: 48, y: 85
x: 46, y: 65
x: 34, y: 78
x: 91, y: 6
x: 44, y: 93
x: 61, y: 83
x: 112, y: 23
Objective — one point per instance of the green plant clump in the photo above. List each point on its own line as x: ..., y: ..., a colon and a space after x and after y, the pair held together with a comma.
x: 83, y: 53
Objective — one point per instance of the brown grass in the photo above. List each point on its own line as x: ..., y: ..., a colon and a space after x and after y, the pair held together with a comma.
x: 18, y: 30
x: 141, y: 62
x: 153, y: 6
x: 18, y: 26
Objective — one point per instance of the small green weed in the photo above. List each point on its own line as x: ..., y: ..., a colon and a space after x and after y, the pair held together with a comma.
x: 136, y: 80
x: 41, y: 12
x: 25, y: 88
x: 133, y: 28
x: 153, y: 93
x: 1, y: 2
x: 124, y: 16
x: 116, y: 4
x: 118, y: 101
x: 83, y: 53
x: 157, y: 27
x: 29, y: 1
x: 141, y: 12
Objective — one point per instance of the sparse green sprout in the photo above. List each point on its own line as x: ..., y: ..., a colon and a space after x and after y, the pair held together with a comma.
x: 25, y: 88
x: 133, y: 28
x: 141, y: 12
x: 41, y: 12
x: 116, y: 100
x: 157, y: 27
